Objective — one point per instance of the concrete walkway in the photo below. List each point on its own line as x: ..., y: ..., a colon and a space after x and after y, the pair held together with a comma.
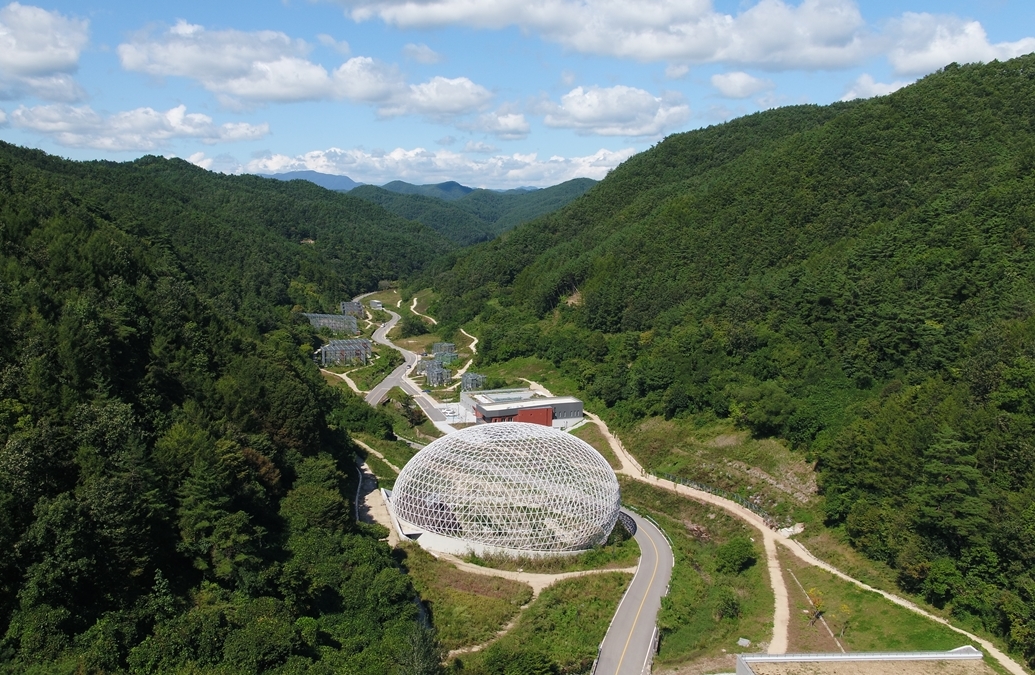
x: 539, y: 582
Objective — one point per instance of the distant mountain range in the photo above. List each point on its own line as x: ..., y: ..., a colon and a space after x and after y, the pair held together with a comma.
x: 466, y: 215
x: 463, y: 214
x: 324, y: 180
x: 448, y: 191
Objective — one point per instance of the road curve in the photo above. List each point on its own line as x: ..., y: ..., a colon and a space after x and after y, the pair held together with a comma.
x: 629, y: 640
x: 397, y: 378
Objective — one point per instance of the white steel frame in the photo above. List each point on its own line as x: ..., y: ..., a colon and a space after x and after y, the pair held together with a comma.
x: 510, y: 485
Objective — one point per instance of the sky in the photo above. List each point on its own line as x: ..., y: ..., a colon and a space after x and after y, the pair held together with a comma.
x: 490, y: 93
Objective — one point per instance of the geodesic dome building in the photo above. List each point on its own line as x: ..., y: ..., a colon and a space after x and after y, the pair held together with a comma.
x: 510, y: 487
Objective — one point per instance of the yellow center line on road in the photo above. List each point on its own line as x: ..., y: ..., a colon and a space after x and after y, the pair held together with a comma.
x: 657, y: 560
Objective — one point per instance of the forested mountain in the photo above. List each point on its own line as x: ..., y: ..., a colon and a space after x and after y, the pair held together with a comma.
x: 324, y: 180
x: 474, y: 215
x: 858, y: 279
x: 447, y: 191
x: 174, y: 474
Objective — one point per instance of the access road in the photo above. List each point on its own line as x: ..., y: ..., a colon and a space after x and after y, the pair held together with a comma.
x: 629, y: 641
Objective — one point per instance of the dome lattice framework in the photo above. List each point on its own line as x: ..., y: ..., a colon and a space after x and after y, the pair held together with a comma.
x: 510, y: 485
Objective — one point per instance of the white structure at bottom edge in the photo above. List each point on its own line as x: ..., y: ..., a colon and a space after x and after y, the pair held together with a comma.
x: 835, y: 664
x: 510, y: 487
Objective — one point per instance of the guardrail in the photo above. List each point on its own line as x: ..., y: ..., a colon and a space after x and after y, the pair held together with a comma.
x: 627, y: 522
x: 648, y: 661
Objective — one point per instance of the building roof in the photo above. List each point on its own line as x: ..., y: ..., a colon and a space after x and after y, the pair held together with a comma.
x: 527, y: 403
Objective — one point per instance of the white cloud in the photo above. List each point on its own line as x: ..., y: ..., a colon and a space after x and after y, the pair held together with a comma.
x: 480, y: 148
x: 34, y: 41
x: 503, y: 124
x: 38, y: 52
x: 268, y: 66
x: 865, y: 87
x: 421, y: 53
x: 262, y: 65
x: 440, y: 97
x: 199, y: 159
x: 364, y: 79
x: 425, y: 166
x: 3, y: 117
x: 139, y: 129
x: 446, y: 140
x: 675, y: 71
x: 772, y: 33
x: 739, y: 84
x: 340, y: 47
x: 926, y: 42
x: 616, y: 111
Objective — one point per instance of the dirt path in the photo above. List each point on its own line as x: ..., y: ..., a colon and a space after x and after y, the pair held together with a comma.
x: 781, y: 617
x: 782, y: 609
x: 413, y: 308
x: 348, y: 380
x: 467, y: 365
x: 539, y: 582
x: 377, y: 454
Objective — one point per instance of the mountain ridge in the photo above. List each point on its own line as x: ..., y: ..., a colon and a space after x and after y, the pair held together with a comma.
x: 857, y: 280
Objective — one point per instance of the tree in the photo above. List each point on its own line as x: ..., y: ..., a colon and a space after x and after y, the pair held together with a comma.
x: 735, y: 556
x: 423, y: 654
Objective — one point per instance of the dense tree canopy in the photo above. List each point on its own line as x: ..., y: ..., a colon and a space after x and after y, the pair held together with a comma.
x: 468, y: 216
x: 858, y: 279
x: 173, y: 470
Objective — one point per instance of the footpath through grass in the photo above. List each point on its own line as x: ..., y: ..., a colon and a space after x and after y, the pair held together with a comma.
x: 592, y: 434
x: 862, y: 620
x: 466, y: 609
x: 559, y: 632
x: 716, y: 595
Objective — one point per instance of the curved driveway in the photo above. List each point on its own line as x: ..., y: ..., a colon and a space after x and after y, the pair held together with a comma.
x: 398, y: 378
x: 629, y: 641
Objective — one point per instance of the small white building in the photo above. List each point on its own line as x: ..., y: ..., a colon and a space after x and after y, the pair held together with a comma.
x: 376, y: 304
x: 522, y: 405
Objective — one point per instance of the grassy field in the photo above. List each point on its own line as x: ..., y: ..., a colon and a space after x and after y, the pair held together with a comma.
x: 620, y: 551
x: 385, y: 474
x: 592, y: 434
x: 369, y: 376
x: 531, y: 368
x: 868, y: 621
x: 564, y: 626
x: 396, y: 452
x: 467, y: 609
x: 694, y: 628
x: 424, y: 298
x: 716, y: 453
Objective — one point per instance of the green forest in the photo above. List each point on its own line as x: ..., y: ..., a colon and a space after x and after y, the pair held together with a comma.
x: 857, y: 279
x: 175, y: 476
x: 467, y: 216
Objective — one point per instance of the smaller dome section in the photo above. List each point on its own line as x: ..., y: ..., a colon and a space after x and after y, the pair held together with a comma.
x: 510, y: 485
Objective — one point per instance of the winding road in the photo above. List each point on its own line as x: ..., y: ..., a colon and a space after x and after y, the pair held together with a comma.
x: 629, y: 641
x: 398, y: 378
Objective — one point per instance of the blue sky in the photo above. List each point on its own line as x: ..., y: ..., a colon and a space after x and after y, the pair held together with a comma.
x: 491, y: 93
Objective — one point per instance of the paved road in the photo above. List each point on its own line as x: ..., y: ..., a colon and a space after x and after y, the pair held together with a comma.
x: 629, y: 639
x: 398, y: 378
